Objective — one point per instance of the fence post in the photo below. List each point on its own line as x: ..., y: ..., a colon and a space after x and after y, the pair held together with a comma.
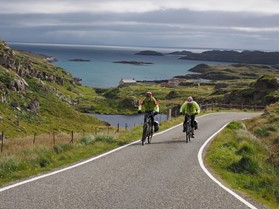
x: 126, y: 126
x: 241, y: 106
x: 72, y: 137
x: 34, y: 138
x: 118, y: 128
x: 169, y: 114
x: 2, y: 141
x: 53, y: 138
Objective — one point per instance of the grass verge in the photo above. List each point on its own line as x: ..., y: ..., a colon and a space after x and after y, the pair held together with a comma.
x: 245, y: 156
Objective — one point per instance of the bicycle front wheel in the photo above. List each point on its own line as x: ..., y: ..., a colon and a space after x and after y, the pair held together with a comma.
x: 188, y: 133
x: 144, y: 134
x: 150, y: 134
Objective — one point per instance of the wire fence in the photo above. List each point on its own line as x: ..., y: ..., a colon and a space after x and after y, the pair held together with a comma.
x: 175, y: 111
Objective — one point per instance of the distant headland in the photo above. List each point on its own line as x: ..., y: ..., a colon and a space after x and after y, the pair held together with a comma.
x: 244, y: 57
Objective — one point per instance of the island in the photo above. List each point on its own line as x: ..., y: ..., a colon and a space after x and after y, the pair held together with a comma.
x: 79, y: 60
x: 149, y: 53
x: 134, y: 62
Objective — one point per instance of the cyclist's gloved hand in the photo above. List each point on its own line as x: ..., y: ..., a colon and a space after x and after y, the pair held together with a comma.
x: 196, y: 113
x: 139, y: 111
x: 181, y: 113
x: 155, y: 112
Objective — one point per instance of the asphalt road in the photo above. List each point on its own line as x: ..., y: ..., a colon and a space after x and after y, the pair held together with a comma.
x: 164, y: 174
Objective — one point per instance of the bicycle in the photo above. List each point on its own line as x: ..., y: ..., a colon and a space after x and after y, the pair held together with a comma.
x: 188, y: 128
x: 148, y: 130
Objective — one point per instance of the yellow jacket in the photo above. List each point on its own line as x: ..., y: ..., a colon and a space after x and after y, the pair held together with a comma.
x: 190, y: 109
x: 150, y: 105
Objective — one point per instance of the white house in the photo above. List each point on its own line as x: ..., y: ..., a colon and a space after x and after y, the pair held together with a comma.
x: 127, y: 82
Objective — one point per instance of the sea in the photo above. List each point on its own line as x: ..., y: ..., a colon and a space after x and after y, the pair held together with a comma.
x: 100, y: 69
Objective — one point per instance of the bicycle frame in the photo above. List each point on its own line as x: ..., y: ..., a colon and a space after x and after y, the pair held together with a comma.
x: 147, y: 128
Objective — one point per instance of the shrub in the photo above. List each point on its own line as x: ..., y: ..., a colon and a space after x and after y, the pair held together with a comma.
x: 9, y: 165
x: 107, y: 139
x: 90, y: 139
x: 246, y: 164
x: 246, y: 148
x: 262, y: 131
x: 235, y: 125
x: 62, y: 147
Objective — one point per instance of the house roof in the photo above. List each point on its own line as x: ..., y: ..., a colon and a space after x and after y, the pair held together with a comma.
x: 128, y: 80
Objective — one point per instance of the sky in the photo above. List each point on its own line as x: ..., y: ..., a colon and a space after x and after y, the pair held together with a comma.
x: 218, y: 24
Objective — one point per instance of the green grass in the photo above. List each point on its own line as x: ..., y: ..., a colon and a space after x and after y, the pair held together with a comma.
x: 245, y: 156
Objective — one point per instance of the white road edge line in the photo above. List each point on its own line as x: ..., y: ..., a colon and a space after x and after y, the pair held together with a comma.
x: 212, y: 177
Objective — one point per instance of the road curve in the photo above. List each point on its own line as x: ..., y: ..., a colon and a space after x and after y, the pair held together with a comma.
x: 165, y: 174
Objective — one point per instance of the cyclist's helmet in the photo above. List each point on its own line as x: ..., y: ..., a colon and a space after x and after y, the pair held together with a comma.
x: 148, y: 94
x: 190, y: 100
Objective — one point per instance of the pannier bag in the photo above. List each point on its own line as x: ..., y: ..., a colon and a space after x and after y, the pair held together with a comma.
x: 195, y: 125
x: 156, y: 125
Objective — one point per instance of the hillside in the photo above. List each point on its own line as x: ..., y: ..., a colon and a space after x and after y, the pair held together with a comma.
x: 37, y: 96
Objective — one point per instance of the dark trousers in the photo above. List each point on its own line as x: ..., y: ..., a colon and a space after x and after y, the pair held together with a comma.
x: 151, y: 116
x: 192, y: 119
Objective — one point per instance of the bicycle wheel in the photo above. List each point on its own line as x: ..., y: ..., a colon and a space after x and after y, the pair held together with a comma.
x: 144, y: 134
x: 188, y: 133
x: 150, y: 134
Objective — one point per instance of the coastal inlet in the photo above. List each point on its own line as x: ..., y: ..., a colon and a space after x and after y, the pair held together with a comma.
x: 127, y: 121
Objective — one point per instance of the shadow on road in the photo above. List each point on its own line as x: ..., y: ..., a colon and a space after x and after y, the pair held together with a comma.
x: 163, y: 142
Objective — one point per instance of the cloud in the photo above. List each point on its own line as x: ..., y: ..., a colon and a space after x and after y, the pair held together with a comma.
x: 211, y: 23
x: 136, y: 6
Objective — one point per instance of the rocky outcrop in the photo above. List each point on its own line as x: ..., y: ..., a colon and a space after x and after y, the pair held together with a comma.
x: 18, y: 84
x: 262, y: 92
x: 34, y: 105
x: 129, y: 102
x: 24, y: 68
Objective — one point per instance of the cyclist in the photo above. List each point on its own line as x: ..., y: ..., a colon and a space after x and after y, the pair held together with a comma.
x: 190, y: 107
x: 150, y: 105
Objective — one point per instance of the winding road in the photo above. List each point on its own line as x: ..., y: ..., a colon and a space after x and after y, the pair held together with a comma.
x: 168, y: 173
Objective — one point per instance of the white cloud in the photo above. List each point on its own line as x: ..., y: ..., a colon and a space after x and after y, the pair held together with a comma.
x: 137, y: 6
